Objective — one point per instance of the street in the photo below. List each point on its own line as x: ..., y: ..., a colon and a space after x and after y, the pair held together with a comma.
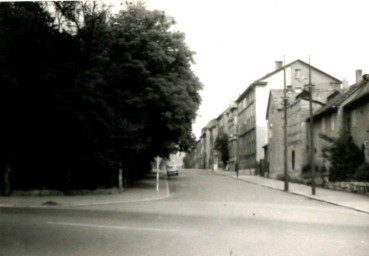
x: 207, y: 215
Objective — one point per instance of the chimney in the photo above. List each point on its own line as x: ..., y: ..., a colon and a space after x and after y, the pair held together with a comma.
x: 359, y: 76
x: 345, y: 83
x: 278, y: 64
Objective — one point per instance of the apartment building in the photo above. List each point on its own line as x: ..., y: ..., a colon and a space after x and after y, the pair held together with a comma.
x: 253, y: 102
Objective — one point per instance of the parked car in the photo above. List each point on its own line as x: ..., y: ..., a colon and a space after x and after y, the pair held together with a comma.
x: 172, y: 168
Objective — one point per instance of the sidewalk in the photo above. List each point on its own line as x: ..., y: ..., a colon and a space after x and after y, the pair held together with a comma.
x: 144, y: 190
x: 344, y: 199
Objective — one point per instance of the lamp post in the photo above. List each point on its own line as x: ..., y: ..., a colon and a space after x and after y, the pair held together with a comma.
x: 285, y: 101
x: 312, y: 147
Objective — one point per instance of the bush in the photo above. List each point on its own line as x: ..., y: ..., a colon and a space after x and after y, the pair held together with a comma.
x: 344, y: 157
x: 306, y: 170
x: 362, y: 172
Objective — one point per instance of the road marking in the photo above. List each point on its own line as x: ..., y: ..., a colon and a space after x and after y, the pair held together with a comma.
x: 111, y: 227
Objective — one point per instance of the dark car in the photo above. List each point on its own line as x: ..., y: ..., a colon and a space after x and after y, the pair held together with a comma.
x: 172, y: 168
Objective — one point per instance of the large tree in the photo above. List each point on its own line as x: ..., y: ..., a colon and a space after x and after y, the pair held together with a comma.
x: 141, y: 71
x: 84, y: 91
x: 36, y: 62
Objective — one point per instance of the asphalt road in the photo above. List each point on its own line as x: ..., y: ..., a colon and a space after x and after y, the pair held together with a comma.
x: 207, y: 214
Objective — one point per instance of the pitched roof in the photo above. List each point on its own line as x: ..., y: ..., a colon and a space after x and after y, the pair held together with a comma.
x: 333, y: 104
x: 319, y: 96
x: 290, y: 64
x: 362, y: 94
x: 275, y: 96
x: 211, y: 124
x: 261, y: 82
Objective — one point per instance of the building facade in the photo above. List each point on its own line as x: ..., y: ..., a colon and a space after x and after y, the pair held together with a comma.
x: 232, y: 136
x: 357, y: 113
x: 335, y: 120
x: 253, y: 104
x: 297, y: 111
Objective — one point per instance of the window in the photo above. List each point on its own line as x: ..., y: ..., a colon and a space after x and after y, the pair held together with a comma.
x: 293, y: 159
x: 297, y: 73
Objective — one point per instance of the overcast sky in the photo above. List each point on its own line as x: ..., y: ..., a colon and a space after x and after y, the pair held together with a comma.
x: 237, y: 41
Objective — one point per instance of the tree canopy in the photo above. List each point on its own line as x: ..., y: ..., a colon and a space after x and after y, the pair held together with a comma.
x: 221, y: 145
x: 83, y: 90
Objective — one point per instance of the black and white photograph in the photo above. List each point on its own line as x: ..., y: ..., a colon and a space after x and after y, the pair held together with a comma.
x: 184, y: 128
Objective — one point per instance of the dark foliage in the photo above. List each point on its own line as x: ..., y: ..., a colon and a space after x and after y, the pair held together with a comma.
x: 344, y: 157
x: 362, y: 172
x: 221, y: 145
x: 83, y: 91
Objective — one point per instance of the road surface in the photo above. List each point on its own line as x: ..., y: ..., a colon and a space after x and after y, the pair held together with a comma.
x: 207, y: 215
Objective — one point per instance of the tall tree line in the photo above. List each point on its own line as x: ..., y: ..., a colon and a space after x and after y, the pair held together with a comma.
x: 83, y: 92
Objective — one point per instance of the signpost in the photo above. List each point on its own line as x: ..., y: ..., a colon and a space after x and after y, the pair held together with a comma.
x: 157, y: 172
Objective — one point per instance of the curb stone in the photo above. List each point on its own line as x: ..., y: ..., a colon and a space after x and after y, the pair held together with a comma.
x: 52, y: 203
x: 295, y: 193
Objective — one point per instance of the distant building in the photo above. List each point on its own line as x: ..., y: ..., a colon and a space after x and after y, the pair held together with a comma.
x: 232, y: 136
x: 252, y: 108
x: 208, y: 137
x: 226, y: 123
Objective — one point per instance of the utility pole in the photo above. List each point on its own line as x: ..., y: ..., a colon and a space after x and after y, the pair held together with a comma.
x: 285, y: 99
x: 312, y: 146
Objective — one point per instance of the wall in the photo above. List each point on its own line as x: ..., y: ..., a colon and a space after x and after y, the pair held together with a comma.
x: 275, y: 144
x: 359, y: 124
x: 261, y: 96
x: 296, y: 136
x: 359, y: 127
x: 331, y: 124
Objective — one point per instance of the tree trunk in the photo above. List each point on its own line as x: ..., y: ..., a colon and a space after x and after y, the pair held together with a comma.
x: 125, y: 178
x: 7, y: 187
x: 120, y: 179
